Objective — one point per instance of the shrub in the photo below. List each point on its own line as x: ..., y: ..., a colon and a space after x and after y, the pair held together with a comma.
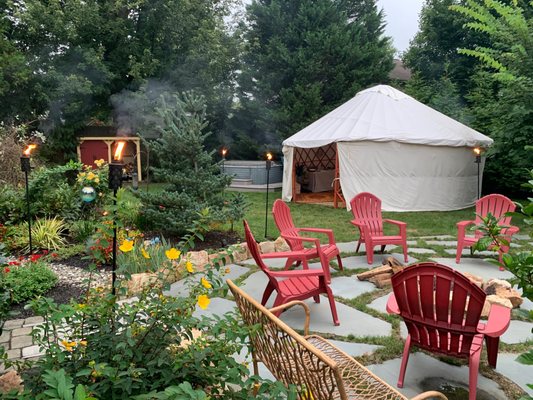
x: 154, y: 347
x: 12, y: 205
x: 27, y: 280
x: 46, y: 234
x: 81, y: 231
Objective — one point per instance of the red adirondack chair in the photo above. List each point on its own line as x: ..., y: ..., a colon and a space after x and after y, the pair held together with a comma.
x: 294, y: 284
x: 496, y: 204
x: 300, y: 254
x: 442, y: 310
x: 366, y: 209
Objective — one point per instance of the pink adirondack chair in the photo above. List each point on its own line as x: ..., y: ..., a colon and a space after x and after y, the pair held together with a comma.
x: 496, y: 204
x: 294, y: 284
x: 366, y: 209
x: 442, y: 310
x: 300, y: 254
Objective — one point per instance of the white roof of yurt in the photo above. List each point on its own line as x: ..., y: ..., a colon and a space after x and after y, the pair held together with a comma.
x: 382, y: 114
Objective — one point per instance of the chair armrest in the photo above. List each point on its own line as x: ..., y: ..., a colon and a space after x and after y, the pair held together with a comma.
x: 296, y: 303
x: 498, y: 322
x: 394, y: 222
x: 461, y: 227
x: 303, y: 239
x: 328, y: 232
x: 363, y: 228
x: 392, y: 305
x: 429, y: 395
x: 296, y: 273
x: 510, y: 231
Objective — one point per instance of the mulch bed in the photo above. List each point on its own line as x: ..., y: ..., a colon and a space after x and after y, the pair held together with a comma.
x: 63, y: 291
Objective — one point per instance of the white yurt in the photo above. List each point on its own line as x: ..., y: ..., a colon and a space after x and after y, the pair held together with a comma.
x: 385, y: 142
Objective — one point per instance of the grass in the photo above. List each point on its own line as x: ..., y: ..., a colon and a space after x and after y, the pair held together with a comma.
x: 421, y: 223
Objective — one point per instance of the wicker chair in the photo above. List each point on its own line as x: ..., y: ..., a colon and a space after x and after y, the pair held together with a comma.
x: 319, y: 370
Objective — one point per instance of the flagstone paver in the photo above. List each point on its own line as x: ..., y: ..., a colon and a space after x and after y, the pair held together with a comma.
x: 355, y: 262
x: 349, y: 247
x: 217, y: 306
x: 349, y: 287
x: 380, y: 304
x: 421, y: 367
x: 445, y: 243
x: 518, y: 332
x: 521, y: 374
x: 521, y: 236
x: 438, y: 237
x: 420, y: 251
x: 467, y: 252
x: 475, y: 266
x: 527, y: 304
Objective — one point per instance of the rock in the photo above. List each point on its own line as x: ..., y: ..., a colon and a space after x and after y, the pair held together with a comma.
x: 477, y: 280
x: 199, y: 259
x: 240, y: 252
x: 493, y: 299
x: 9, y: 381
x: 280, y: 244
x: 510, y: 294
x: 267, y: 247
x: 140, y: 281
x: 490, y: 286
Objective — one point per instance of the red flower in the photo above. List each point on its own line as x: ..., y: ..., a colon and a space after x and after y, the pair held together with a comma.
x: 45, y: 252
x: 55, y: 255
x: 6, y: 270
x: 21, y: 258
x: 35, y: 257
x: 13, y: 263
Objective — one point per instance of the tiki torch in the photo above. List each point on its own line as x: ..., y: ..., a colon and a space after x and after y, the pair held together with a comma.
x: 224, y: 151
x: 115, y: 182
x: 477, y: 152
x: 25, y: 167
x: 268, y: 165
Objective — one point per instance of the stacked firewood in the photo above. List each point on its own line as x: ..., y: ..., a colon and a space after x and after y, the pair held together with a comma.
x: 381, y: 276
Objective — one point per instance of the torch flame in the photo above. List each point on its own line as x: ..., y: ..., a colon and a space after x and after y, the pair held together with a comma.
x: 29, y: 149
x: 269, y: 156
x: 118, y: 150
x: 224, y: 152
x: 477, y: 151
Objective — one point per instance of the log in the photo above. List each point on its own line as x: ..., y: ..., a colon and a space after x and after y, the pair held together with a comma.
x: 363, y: 276
x: 382, y: 280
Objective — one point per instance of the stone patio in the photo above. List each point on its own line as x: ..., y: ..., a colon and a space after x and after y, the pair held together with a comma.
x: 357, y: 329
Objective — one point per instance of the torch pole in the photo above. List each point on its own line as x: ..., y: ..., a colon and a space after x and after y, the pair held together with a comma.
x: 114, y: 267
x: 268, y: 164
x: 28, y: 211
x: 478, y: 162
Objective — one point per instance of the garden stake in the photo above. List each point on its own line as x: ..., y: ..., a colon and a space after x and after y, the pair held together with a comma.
x: 115, y: 182
x: 268, y: 166
x: 25, y: 166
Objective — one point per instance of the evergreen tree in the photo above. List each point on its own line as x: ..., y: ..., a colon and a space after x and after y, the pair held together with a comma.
x: 305, y: 57
x: 195, y: 182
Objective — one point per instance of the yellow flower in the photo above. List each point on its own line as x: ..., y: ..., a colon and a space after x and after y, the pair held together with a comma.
x: 227, y: 270
x: 189, y: 267
x: 126, y: 246
x: 206, y: 284
x: 91, y: 176
x: 97, y: 180
x: 99, y: 162
x: 203, y: 301
x: 172, y: 254
x: 81, y: 306
x: 68, y: 345
x: 83, y: 343
x: 145, y: 253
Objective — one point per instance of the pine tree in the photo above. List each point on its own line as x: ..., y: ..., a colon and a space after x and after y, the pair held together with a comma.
x: 195, y: 182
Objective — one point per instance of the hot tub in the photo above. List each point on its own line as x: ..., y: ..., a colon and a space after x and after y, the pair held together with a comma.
x: 253, y: 171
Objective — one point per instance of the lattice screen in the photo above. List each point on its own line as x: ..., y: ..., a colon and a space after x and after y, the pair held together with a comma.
x: 316, y: 157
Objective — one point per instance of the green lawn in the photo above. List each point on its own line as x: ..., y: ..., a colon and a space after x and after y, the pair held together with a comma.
x: 309, y: 215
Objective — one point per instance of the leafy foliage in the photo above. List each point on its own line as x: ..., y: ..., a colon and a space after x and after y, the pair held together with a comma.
x: 28, y: 280
x: 195, y: 180
x: 46, y: 233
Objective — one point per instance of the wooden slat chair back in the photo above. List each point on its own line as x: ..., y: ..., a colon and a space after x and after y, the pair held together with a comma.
x: 367, y: 208
x: 496, y: 204
x: 441, y: 309
x: 318, y: 369
x: 283, y: 219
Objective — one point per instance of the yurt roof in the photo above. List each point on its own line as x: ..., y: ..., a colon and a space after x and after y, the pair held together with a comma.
x: 382, y: 114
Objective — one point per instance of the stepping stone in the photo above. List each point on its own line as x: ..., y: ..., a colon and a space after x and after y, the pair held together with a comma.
x: 447, y: 243
x: 318, y: 265
x: 380, y: 304
x: 438, y: 237
x: 521, y: 236
x: 412, y: 242
x: 255, y: 285
x: 355, y: 262
x: 518, y: 332
x: 422, y: 368
x: 349, y: 247
x: 466, y: 252
x: 349, y: 287
x: 218, y: 306
x: 476, y: 266
x: 420, y: 251
x: 269, y: 262
x: 352, y: 321
x: 515, y: 245
x: 519, y: 373
x: 355, y: 349
x: 527, y: 304
x: 181, y: 287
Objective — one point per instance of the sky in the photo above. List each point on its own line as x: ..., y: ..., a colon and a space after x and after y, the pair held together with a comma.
x: 402, y: 20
